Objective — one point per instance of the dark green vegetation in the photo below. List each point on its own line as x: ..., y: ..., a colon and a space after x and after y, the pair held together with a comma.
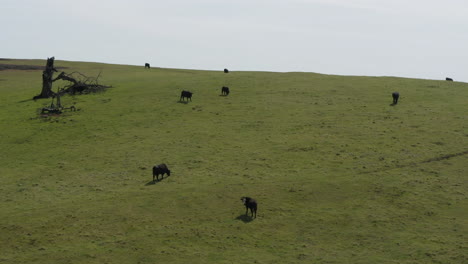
x: 340, y: 175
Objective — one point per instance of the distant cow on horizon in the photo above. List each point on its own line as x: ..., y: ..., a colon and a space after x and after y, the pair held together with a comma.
x: 225, y: 91
x: 147, y: 65
x: 185, y: 94
x: 226, y: 71
x: 449, y: 79
x: 395, y: 96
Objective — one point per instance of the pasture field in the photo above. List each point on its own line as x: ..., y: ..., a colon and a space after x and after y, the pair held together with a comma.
x: 340, y: 175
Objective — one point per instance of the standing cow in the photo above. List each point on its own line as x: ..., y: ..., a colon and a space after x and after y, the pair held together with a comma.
x: 225, y: 90
x: 185, y: 94
x: 395, y: 96
x: 226, y: 71
x: 160, y: 169
x: 147, y: 65
x: 449, y: 79
x: 250, y: 204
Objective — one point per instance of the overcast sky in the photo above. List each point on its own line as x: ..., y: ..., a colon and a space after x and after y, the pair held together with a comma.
x: 407, y: 38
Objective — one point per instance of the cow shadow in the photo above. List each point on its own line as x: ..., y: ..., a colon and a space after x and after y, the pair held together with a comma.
x: 224, y: 95
x: 150, y: 183
x: 245, y: 218
x: 183, y: 102
x: 393, y: 104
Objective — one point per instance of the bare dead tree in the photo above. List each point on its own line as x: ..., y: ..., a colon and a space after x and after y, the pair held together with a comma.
x: 79, y: 82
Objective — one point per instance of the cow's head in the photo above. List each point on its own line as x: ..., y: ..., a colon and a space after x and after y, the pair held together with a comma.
x: 244, y: 200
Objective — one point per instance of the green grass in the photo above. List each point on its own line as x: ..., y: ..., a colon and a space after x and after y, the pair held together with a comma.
x: 340, y: 175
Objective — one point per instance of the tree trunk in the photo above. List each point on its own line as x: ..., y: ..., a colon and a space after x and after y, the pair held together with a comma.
x: 47, y: 75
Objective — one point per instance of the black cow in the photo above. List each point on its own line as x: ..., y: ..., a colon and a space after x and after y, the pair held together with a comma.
x: 185, y: 94
x: 226, y: 71
x: 395, y: 96
x: 250, y: 204
x: 147, y: 65
x: 225, y: 90
x: 449, y: 79
x: 160, y: 169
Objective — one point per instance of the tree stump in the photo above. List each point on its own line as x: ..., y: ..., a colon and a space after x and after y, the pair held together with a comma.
x: 47, y: 75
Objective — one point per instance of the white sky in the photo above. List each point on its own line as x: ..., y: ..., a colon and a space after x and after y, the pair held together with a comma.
x: 408, y: 38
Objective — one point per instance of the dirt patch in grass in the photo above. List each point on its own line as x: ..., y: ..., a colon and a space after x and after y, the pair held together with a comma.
x: 440, y: 158
x: 445, y: 157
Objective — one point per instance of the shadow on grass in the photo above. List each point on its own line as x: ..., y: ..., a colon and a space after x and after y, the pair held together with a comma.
x: 150, y: 183
x: 183, y: 102
x: 245, y: 218
x: 27, y: 100
x: 393, y: 104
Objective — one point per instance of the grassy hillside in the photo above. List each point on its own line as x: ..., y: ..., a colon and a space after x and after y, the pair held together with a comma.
x: 340, y: 175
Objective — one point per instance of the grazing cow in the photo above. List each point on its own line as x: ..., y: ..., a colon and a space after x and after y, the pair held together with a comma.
x: 160, y: 169
x: 226, y: 71
x: 225, y: 90
x: 449, y: 79
x: 395, y: 96
x: 185, y: 94
x: 147, y: 65
x: 250, y: 204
